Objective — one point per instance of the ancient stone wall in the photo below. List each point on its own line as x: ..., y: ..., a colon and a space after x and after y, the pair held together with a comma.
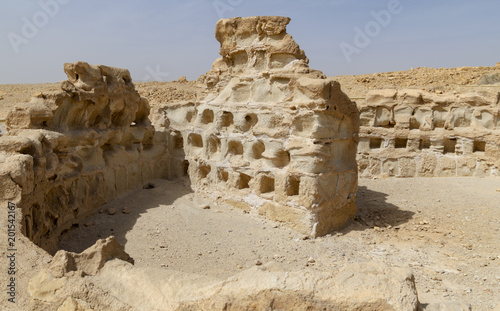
x: 414, y: 133
x: 271, y: 135
x: 71, y: 151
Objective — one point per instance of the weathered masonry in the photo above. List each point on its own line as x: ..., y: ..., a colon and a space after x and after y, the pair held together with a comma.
x: 271, y: 136
x: 410, y: 133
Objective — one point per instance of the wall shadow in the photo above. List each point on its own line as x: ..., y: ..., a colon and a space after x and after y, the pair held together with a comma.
x: 125, y: 210
x: 374, y: 211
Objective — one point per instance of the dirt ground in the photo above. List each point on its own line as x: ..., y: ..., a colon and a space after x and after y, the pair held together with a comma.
x: 446, y: 230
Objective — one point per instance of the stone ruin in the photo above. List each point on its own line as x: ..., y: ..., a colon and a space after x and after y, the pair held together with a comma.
x: 279, y: 137
x: 271, y: 136
x: 70, y: 152
x: 414, y: 133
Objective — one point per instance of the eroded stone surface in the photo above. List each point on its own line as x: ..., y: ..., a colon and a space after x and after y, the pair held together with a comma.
x: 414, y: 133
x: 271, y: 133
x: 70, y: 151
x: 368, y: 286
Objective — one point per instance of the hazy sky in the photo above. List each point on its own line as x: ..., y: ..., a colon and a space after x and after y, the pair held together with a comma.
x: 163, y: 40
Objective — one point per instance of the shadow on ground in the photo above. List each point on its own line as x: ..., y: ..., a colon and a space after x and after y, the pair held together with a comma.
x: 375, y: 211
x: 125, y: 210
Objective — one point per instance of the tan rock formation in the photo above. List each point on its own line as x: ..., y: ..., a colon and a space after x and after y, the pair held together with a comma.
x: 271, y: 133
x: 70, y: 151
x: 62, y: 283
x: 369, y: 286
x: 410, y: 133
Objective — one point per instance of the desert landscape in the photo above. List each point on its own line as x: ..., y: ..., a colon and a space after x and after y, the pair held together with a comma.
x: 263, y: 185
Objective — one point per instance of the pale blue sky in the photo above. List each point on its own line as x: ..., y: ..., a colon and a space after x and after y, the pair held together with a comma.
x: 152, y: 38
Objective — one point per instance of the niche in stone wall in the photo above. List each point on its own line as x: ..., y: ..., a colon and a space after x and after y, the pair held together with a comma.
x: 243, y: 181
x: 266, y: 184
x: 375, y: 143
x: 195, y: 140
x: 260, y: 61
x: 281, y: 159
x: 292, y: 185
x: 234, y: 148
x: 240, y: 60
x: 222, y: 174
x: 400, y: 143
x: 258, y: 149
x: 204, y: 170
x: 226, y: 119
x: 185, y: 168
x: 449, y: 145
x: 213, y: 146
x: 189, y: 116
x: 280, y: 60
x: 207, y: 116
x: 249, y: 121
x: 178, y: 140
x: 479, y: 146
x: 424, y: 143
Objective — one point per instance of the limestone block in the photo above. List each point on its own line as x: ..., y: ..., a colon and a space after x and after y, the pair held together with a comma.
x: 426, y: 165
x: 29, y: 115
x: 407, y: 167
x: 383, y: 117
x: 390, y: 167
x: 410, y: 97
x: 446, y: 167
x: 402, y: 116
x: 482, y: 169
x: 483, y: 119
x: 466, y: 166
x: 386, y: 97
x: 367, y: 116
x: 10, y: 190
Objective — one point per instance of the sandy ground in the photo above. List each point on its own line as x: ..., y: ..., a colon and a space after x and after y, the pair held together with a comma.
x: 446, y: 230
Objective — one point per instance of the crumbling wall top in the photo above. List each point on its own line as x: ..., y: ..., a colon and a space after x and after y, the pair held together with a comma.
x: 85, y: 77
x: 264, y: 33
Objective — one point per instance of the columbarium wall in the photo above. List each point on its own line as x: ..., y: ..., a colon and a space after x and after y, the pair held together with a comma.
x: 414, y: 133
x: 271, y: 136
x: 71, y: 151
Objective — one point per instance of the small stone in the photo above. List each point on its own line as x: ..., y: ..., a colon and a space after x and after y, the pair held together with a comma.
x: 111, y: 211
x: 239, y: 267
x: 206, y: 206
x: 258, y: 263
x: 311, y: 260
x: 125, y: 210
x: 89, y: 224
